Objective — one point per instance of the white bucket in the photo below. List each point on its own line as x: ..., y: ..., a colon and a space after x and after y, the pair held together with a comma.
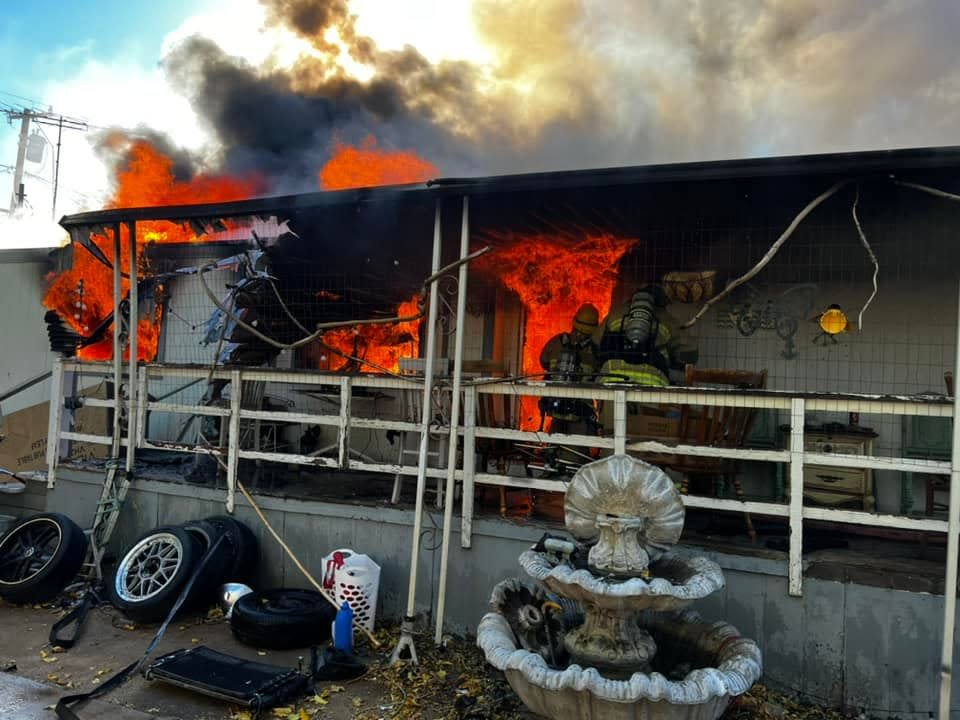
x: 357, y: 582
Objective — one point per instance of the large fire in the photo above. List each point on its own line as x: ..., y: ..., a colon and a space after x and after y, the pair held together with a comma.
x: 553, y: 278
x: 369, y: 166
x: 83, y: 295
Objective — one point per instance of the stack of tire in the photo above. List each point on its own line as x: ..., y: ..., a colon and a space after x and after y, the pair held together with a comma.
x: 39, y: 556
x: 154, y: 570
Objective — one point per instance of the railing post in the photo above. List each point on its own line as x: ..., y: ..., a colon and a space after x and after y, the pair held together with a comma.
x: 620, y: 422
x: 797, y: 419
x: 343, y: 436
x: 469, y: 464
x: 142, y: 401
x: 53, y: 422
x: 233, y: 437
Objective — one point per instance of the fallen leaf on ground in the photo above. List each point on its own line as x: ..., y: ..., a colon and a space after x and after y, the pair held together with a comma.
x: 241, y: 715
x: 57, y: 649
x: 282, y: 712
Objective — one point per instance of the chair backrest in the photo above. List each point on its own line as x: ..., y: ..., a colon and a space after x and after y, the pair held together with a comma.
x: 715, y: 425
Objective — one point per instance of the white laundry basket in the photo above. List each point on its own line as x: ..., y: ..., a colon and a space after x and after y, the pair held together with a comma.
x: 356, y: 581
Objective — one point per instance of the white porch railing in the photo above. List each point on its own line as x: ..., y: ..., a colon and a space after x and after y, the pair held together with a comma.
x: 795, y: 457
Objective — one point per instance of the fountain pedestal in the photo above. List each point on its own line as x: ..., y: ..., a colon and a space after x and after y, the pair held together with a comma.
x: 612, y: 642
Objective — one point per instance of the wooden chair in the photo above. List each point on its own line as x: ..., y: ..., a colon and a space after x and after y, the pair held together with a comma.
x: 714, y: 426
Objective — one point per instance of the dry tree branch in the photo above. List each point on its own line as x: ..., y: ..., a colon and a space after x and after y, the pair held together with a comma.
x: 764, y: 261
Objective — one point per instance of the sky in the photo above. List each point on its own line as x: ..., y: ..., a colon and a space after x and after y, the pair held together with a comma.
x: 475, y: 86
x: 100, y: 61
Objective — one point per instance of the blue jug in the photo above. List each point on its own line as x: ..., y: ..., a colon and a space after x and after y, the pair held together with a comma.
x: 343, y: 629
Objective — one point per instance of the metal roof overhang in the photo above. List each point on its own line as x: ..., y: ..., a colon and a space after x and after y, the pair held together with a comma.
x: 873, y: 163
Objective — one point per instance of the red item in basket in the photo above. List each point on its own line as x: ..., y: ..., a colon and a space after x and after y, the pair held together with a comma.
x: 331, y: 570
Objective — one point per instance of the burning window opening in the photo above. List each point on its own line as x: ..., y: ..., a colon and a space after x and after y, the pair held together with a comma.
x: 553, y: 276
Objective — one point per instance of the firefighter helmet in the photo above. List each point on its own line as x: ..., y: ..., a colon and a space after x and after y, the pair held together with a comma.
x: 587, y: 319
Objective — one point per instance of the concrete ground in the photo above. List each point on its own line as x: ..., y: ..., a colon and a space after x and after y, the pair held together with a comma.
x: 110, y: 643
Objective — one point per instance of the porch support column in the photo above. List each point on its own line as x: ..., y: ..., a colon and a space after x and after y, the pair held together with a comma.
x: 133, y: 333
x: 117, y: 345
x: 430, y: 339
x: 454, y: 420
x: 953, y: 545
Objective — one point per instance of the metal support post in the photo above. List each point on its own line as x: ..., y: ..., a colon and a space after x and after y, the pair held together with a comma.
x: 55, y: 418
x: 233, y: 437
x: 953, y: 546
x: 407, y: 627
x: 797, y: 418
x: 469, y: 465
x: 454, y: 421
x: 117, y: 347
x: 132, y: 334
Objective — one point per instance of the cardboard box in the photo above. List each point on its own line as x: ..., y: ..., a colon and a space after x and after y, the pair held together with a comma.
x: 23, y: 434
x: 645, y: 422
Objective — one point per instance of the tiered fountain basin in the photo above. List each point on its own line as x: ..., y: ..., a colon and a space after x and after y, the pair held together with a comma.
x: 626, y: 648
x: 724, y: 665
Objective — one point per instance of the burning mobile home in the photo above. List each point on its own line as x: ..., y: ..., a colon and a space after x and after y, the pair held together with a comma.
x: 798, y: 314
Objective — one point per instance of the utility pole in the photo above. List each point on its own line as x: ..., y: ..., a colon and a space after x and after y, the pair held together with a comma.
x: 26, y: 116
x: 16, y: 201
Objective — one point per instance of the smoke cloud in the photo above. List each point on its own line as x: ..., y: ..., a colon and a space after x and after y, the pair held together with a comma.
x: 589, y: 83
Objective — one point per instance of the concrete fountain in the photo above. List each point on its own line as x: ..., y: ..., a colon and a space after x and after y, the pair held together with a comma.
x: 605, y: 635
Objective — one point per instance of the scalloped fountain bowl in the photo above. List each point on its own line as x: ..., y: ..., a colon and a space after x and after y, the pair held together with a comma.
x: 675, y: 582
x: 619, y: 642
x: 723, y: 665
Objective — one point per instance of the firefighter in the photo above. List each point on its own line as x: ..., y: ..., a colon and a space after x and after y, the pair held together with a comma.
x: 571, y: 357
x: 638, y: 345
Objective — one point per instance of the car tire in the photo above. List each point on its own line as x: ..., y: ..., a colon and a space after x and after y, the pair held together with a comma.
x: 152, y: 573
x: 247, y: 548
x: 282, y: 619
x: 218, y: 567
x: 39, y: 556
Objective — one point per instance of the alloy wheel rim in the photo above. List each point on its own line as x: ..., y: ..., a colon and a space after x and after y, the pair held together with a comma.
x: 26, y: 551
x: 149, y: 567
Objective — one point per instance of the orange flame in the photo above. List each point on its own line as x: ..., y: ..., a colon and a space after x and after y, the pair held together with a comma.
x: 147, y: 180
x: 379, y: 345
x: 553, y: 278
x: 369, y: 166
